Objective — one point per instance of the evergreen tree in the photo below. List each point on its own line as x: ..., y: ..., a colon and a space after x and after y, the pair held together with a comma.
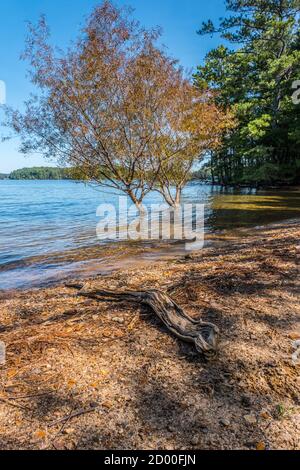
x: 254, y: 77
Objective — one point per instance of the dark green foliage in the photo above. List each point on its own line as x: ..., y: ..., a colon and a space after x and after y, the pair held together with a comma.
x: 255, y: 79
x: 41, y: 173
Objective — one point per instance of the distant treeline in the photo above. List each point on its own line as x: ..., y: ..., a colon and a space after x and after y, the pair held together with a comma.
x: 41, y: 173
x: 55, y: 173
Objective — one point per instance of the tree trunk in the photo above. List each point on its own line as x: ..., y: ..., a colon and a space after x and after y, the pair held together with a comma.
x: 178, y: 196
x: 137, y: 202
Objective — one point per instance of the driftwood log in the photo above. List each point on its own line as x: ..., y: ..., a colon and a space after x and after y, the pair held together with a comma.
x: 202, y: 334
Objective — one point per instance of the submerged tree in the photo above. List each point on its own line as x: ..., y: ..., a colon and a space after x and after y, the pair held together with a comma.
x: 255, y: 78
x: 197, y: 127
x: 99, y: 105
x: 114, y: 106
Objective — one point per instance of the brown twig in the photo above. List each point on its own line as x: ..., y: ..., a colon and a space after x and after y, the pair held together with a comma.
x: 24, y: 397
x: 73, y: 415
x: 14, y: 405
x: 52, y: 443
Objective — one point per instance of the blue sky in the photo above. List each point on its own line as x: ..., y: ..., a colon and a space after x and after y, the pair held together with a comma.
x: 179, y: 19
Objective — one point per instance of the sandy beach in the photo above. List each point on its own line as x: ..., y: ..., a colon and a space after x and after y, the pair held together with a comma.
x: 83, y: 374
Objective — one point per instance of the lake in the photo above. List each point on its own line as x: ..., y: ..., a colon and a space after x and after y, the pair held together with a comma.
x: 48, y: 228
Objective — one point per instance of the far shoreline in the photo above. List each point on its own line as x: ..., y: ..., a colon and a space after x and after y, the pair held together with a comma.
x: 67, y: 174
x: 259, y: 187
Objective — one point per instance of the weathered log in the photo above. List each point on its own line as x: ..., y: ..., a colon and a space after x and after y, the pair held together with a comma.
x: 204, y: 335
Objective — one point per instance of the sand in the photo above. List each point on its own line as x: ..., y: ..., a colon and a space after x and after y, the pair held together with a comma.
x: 82, y: 374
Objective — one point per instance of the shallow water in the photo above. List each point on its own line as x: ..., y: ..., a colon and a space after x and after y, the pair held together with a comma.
x: 48, y: 228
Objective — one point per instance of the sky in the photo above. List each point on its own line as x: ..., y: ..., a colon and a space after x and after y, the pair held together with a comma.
x: 179, y: 19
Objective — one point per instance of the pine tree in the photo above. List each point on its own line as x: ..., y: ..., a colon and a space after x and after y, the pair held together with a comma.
x: 254, y: 76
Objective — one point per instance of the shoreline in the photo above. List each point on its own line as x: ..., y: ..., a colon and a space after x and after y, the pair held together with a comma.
x: 106, y: 259
x: 139, y: 385
x: 50, y: 236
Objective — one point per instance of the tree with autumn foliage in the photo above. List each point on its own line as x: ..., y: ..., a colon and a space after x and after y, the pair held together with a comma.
x: 197, y: 126
x: 115, y: 107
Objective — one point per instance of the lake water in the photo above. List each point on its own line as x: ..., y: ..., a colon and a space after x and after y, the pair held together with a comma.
x: 48, y: 228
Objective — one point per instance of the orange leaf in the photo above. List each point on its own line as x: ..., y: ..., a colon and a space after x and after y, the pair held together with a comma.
x: 11, y: 373
x: 261, y: 446
x: 95, y: 384
x: 40, y: 434
x: 71, y: 383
